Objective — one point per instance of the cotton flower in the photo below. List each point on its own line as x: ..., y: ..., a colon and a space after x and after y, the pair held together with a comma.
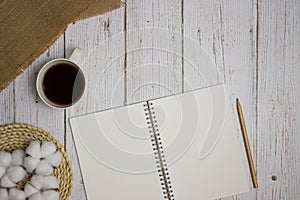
x: 47, y: 149
x: 17, y: 157
x: 50, y: 182
x: 30, y: 163
x: 2, y: 171
x: 30, y: 190
x: 50, y: 195
x: 34, y: 149
x: 37, y: 196
x: 54, y: 159
x: 46, y: 195
x: 11, y: 171
x: 37, y: 182
x: 16, y: 194
x: 5, y: 159
x: 15, y: 174
x: 3, y: 194
x: 6, y: 183
x: 42, y: 157
x: 42, y: 188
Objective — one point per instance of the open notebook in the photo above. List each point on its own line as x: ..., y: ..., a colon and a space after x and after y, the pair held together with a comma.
x: 179, y: 147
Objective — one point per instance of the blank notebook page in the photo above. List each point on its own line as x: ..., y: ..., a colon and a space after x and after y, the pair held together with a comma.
x: 201, y: 144
x: 116, y: 155
x: 123, y: 151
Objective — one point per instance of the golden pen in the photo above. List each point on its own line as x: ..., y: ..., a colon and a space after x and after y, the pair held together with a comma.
x: 246, y: 143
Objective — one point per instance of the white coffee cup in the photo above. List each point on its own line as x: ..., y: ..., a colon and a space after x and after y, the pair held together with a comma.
x: 40, y: 86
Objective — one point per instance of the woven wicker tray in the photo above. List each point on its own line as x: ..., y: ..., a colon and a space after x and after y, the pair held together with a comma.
x: 18, y: 136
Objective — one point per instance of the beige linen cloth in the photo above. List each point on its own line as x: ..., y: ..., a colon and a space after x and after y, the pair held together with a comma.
x: 29, y: 27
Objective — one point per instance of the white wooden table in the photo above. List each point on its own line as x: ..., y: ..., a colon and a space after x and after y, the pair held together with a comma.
x: 254, y: 43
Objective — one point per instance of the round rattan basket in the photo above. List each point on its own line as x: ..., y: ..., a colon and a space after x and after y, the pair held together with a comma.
x: 18, y: 136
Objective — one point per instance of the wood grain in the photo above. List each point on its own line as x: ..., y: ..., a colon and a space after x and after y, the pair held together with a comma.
x: 29, y: 108
x: 7, y: 105
x: 239, y: 53
x: 153, y: 51
x: 202, y: 31
x: 227, y: 31
x: 102, y: 38
x: 154, y: 62
x: 147, y: 49
x: 278, y: 99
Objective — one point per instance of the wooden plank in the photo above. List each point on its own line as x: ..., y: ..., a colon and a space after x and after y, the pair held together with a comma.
x: 203, y: 60
x: 226, y: 30
x: 29, y: 108
x: 7, y: 104
x: 239, y: 47
x: 102, y: 39
x: 278, y: 99
x: 154, y: 47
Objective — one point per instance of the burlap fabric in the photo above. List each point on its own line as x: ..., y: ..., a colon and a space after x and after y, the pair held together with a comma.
x: 29, y: 27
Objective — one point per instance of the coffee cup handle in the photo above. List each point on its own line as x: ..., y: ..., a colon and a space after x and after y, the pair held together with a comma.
x: 76, y: 55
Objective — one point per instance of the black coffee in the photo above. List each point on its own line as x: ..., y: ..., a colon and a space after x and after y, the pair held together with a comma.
x: 63, y: 84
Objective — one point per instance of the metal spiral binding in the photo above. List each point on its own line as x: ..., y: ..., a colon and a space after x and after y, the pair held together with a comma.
x: 158, y: 151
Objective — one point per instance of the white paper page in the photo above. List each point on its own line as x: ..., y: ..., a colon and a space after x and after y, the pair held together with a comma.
x: 201, y: 145
x: 116, y: 156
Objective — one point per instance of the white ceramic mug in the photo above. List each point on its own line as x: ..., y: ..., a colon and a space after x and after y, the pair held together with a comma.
x: 73, y: 60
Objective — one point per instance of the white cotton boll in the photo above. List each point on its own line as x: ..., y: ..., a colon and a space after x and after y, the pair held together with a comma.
x: 30, y: 190
x: 16, y: 194
x: 37, y: 196
x: 5, y: 159
x: 3, y: 194
x: 55, y: 159
x: 6, y: 183
x: 31, y: 163
x: 50, y: 182
x: 15, y: 174
x: 34, y: 149
x: 18, y: 157
x: 37, y: 181
x: 50, y: 195
x: 47, y: 149
x: 2, y: 171
x: 44, y: 168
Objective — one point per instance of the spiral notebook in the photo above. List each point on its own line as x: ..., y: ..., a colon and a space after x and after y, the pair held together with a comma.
x: 180, y: 147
